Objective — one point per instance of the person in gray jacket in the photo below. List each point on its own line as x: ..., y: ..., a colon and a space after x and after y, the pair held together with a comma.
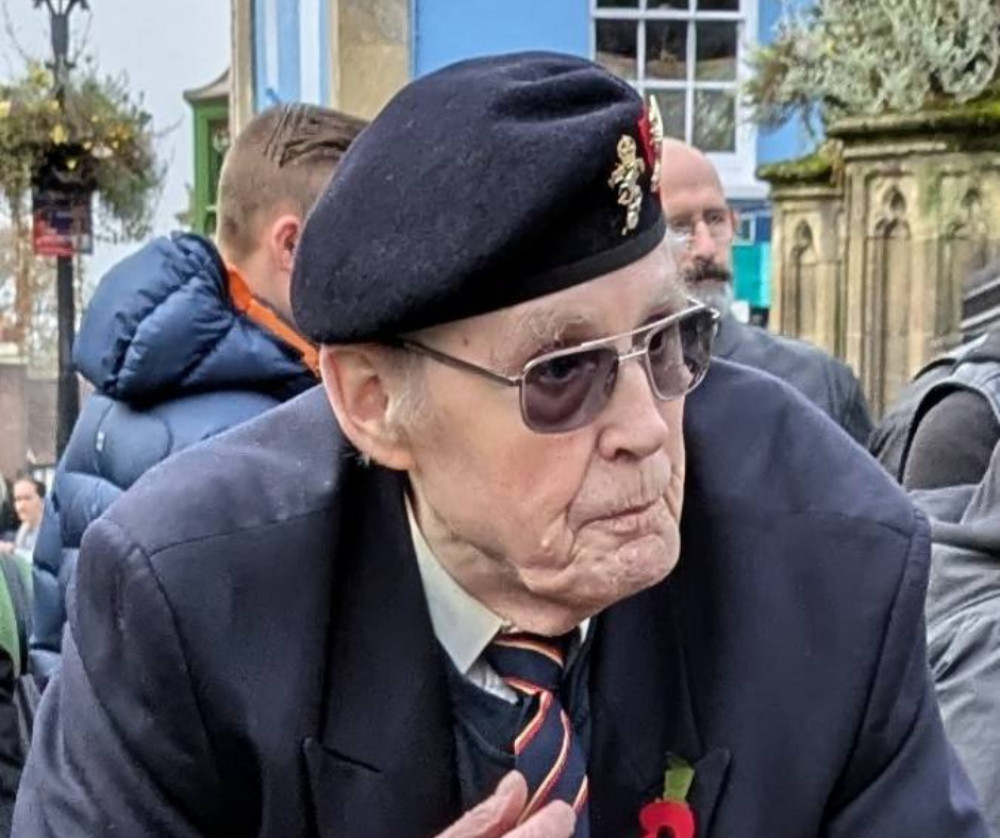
x: 963, y: 624
x: 696, y: 209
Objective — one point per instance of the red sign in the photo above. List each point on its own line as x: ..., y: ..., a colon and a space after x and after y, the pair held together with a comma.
x: 62, y: 224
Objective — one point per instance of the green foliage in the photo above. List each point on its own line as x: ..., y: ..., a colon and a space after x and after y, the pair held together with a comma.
x: 847, y: 58
x: 818, y: 167
x: 101, y: 131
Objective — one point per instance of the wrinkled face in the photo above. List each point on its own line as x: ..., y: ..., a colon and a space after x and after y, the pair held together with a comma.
x: 569, y: 521
x: 28, y: 504
x: 696, y: 207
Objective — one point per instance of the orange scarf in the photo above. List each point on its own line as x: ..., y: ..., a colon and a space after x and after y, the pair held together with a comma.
x: 267, y: 318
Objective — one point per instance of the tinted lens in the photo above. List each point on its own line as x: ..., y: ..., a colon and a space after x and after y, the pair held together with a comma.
x: 680, y: 352
x: 566, y: 392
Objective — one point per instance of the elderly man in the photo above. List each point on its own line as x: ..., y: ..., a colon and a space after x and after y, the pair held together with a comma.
x: 696, y: 207
x: 461, y: 565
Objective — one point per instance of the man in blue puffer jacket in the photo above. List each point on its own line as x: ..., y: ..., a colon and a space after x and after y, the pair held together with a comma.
x: 183, y: 340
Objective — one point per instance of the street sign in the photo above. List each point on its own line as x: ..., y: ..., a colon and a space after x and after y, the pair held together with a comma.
x: 62, y: 224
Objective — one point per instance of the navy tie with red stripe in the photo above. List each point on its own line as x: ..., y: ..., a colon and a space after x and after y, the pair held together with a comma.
x: 546, y: 749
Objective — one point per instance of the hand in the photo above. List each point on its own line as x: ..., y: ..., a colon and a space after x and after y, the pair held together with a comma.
x: 6, y: 547
x: 497, y: 816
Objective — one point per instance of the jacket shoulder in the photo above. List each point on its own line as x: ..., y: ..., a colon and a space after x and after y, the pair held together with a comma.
x: 764, y: 344
x: 284, y: 464
x: 113, y: 444
x: 783, y: 456
x: 161, y: 324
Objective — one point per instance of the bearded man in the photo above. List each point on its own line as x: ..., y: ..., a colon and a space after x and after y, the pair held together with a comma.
x: 697, y: 209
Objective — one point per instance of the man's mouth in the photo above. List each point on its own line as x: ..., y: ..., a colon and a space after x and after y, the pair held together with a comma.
x: 633, y: 518
x: 712, y: 274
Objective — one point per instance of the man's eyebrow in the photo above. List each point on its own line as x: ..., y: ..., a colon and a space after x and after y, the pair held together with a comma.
x: 552, y: 325
x: 689, y: 215
x: 546, y: 324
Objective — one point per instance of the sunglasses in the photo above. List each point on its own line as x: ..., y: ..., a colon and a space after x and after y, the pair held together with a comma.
x: 566, y: 389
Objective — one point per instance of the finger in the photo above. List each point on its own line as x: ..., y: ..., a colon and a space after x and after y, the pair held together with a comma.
x: 495, y: 816
x: 557, y: 820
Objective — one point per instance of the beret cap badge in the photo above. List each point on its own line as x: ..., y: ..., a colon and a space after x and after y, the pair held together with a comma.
x: 478, y: 187
x: 625, y: 180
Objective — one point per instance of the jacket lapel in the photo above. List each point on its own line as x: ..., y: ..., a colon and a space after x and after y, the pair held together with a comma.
x: 642, y: 712
x: 384, y: 762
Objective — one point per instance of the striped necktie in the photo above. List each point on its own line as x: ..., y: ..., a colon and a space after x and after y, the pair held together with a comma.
x: 546, y: 750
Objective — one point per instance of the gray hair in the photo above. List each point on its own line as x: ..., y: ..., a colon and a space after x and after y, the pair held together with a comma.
x: 411, y: 405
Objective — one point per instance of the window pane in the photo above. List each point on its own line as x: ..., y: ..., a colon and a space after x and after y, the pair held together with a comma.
x: 616, y: 46
x: 667, y: 4
x: 715, y: 45
x: 666, y: 49
x: 672, y: 106
x: 718, y: 5
x: 617, y: 4
x: 714, y: 120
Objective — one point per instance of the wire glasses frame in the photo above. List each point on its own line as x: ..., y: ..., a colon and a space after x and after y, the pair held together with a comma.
x: 567, y: 408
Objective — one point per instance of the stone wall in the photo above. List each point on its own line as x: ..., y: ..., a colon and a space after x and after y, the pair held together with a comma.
x: 874, y: 237
x: 809, y: 303
x: 369, y: 43
x: 27, y: 415
x: 374, y: 53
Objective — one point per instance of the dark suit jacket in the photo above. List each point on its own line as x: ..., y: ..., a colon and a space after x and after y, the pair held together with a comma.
x: 826, y: 382
x: 250, y: 651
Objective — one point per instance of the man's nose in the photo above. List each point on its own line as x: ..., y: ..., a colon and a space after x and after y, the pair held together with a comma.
x: 633, y: 423
x: 703, y: 244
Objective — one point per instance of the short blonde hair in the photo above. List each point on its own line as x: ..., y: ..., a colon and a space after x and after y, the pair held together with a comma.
x: 284, y: 155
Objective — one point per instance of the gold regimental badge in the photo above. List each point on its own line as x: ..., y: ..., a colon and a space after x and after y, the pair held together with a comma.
x: 625, y: 178
x: 656, y: 135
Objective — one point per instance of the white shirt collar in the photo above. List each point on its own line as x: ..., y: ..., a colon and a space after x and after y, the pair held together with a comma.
x: 462, y: 624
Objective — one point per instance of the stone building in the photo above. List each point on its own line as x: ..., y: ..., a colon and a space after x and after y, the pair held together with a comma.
x: 27, y: 414
x: 875, y: 236
x: 349, y: 54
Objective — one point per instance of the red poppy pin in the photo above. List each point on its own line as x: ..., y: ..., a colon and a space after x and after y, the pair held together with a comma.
x: 671, y: 816
x: 651, y: 135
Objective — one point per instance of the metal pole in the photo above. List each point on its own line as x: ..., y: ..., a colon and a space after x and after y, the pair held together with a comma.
x: 68, y: 393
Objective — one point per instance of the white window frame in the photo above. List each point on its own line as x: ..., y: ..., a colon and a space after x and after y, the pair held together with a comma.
x: 736, y: 168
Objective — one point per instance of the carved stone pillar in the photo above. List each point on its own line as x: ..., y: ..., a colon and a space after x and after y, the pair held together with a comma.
x: 373, y: 52
x: 807, y: 293
x: 875, y: 238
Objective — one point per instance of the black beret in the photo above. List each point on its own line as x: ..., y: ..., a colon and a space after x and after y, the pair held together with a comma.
x: 488, y: 183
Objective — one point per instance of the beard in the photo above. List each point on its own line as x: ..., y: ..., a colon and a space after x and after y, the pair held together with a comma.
x: 712, y: 285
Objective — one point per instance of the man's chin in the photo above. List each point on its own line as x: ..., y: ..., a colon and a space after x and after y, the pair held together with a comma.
x: 715, y: 293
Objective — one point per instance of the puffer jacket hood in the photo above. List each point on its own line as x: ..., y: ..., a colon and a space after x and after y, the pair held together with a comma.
x: 173, y: 363
x: 161, y: 324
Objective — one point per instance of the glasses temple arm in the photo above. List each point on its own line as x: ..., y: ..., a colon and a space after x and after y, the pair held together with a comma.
x: 457, y: 363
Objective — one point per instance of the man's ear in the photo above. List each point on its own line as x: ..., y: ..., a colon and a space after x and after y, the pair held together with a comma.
x: 356, y: 387
x: 284, y: 239
x: 734, y: 219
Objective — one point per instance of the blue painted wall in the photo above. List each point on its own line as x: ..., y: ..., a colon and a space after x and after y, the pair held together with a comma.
x: 450, y: 30
x: 291, y: 52
x: 288, y: 39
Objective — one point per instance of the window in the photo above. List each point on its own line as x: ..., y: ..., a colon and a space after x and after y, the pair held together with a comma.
x: 687, y: 53
x: 747, y: 230
x: 755, y: 222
